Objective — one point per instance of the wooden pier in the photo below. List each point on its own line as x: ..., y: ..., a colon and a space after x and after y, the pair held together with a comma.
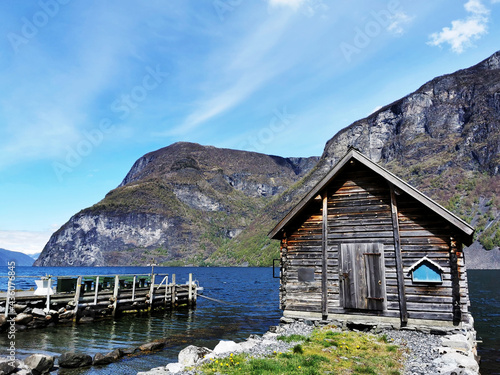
x: 83, y: 299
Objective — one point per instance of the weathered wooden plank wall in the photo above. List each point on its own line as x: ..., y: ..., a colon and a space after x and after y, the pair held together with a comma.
x: 359, y: 212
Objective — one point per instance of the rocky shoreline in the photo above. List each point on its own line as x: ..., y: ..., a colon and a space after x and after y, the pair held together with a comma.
x: 429, y: 351
x: 436, y: 351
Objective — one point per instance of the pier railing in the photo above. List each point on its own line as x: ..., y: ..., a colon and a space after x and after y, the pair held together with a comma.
x: 89, y: 297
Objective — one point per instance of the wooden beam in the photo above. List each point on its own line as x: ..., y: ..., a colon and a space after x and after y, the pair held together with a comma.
x: 152, y: 290
x: 324, y: 262
x: 173, y: 291
x: 190, y: 290
x: 166, y: 291
x: 115, y: 294
x: 399, y: 262
x: 133, y: 287
x: 455, y: 284
x: 96, y: 292
x: 77, y: 297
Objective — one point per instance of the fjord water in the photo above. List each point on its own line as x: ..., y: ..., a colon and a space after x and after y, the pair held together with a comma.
x: 484, y: 289
x: 251, y: 306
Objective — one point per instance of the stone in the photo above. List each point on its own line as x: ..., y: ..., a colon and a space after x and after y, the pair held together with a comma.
x: 269, y: 336
x: 192, y: 355
x: 74, y: 359
x: 19, y: 308
x: 457, y: 342
x: 40, y: 363
x: 286, y: 320
x: 7, y: 366
x: 249, y: 344
x: 37, y: 323
x: 86, y: 320
x: 129, y: 351
x: 38, y: 312
x: 115, y: 355
x: 3, y: 321
x: 227, y: 347
x: 66, y: 315
x: 23, y: 318
x: 101, y: 360
x: 151, y: 346
x: 156, y: 371
x: 175, y: 368
x: 460, y: 361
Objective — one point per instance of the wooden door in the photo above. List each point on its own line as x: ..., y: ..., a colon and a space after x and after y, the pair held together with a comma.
x: 362, y: 278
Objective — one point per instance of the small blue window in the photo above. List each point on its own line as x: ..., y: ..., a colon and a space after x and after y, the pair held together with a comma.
x: 426, y: 271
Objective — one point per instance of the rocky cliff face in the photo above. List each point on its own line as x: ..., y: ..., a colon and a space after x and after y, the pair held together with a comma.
x: 177, y: 205
x: 453, y: 119
x: 443, y: 139
x: 191, y: 204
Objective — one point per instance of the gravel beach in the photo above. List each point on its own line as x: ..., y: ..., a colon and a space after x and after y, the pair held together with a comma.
x: 422, y: 358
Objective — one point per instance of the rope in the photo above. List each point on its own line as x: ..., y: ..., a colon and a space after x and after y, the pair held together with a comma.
x: 213, y: 299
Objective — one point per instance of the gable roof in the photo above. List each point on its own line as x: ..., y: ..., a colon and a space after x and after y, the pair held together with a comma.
x: 466, y: 230
x: 421, y: 261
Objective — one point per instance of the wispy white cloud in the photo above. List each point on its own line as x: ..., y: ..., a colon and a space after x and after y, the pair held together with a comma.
x: 398, y: 22
x: 463, y: 32
x: 308, y: 8
x: 294, y: 4
x: 244, y: 73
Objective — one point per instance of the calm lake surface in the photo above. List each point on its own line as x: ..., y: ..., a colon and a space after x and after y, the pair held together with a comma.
x: 251, y: 296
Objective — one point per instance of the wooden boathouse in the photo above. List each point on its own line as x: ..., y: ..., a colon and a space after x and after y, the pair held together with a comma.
x: 364, y: 246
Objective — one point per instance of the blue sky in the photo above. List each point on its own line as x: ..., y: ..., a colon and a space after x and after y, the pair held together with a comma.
x: 90, y: 86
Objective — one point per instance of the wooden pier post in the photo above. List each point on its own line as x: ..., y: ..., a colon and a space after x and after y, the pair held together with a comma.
x: 115, y: 294
x: 190, y: 290
x: 77, y: 297
x: 166, y: 291
x: 152, y: 291
x: 173, y: 291
x: 49, y: 286
x: 195, y: 294
x: 96, y: 287
x: 133, y: 287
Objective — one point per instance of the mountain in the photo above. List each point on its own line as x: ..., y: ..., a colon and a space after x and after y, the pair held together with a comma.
x: 443, y: 139
x: 20, y: 259
x: 192, y: 204
x: 176, y: 206
x: 34, y: 256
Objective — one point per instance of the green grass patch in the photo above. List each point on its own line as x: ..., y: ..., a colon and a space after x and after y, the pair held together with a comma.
x: 327, y: 350
x: 293, y: 338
